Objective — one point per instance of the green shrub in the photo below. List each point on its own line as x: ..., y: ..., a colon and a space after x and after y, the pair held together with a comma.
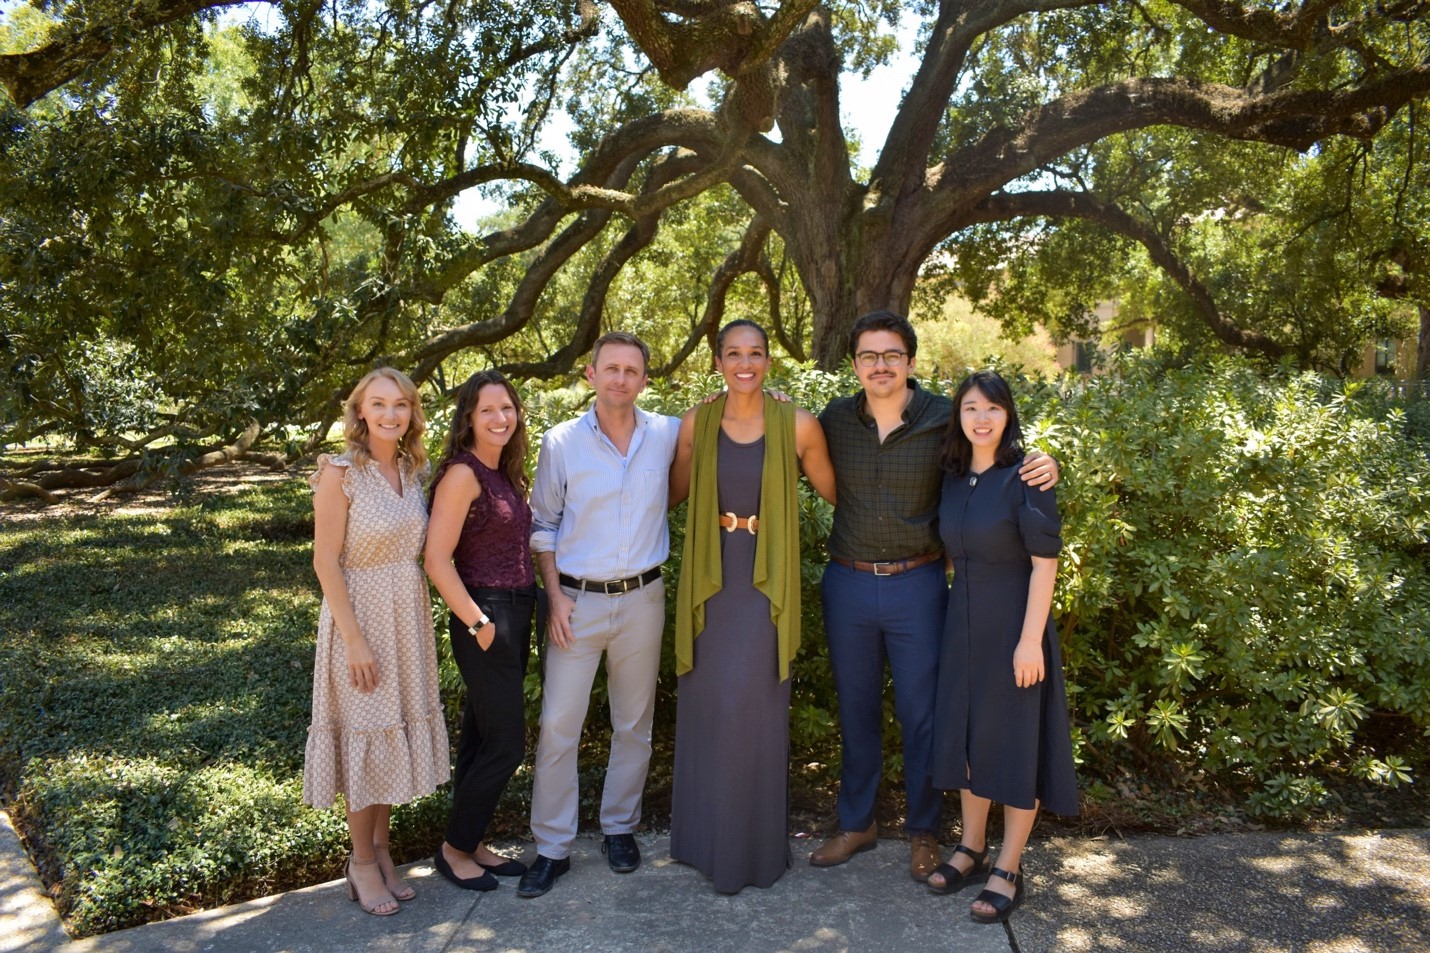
x: 1244, y: 580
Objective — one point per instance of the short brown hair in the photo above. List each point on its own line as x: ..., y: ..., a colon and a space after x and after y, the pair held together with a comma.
x: 621, y: 337
x: 884, y: 321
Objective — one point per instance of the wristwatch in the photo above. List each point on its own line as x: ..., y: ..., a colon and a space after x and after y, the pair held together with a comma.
x: 481, y: 621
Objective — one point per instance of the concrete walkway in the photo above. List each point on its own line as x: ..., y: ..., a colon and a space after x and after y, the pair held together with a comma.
x: 27, y: 918
x: 1259, y: 892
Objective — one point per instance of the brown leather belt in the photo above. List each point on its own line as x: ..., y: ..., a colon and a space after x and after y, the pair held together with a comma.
x: 729, y: 522
x: 890, y: 568
x: 614, y: 587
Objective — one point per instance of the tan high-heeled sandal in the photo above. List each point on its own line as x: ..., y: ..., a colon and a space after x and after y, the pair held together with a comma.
x: 399, y: 888
x: 353, y: 890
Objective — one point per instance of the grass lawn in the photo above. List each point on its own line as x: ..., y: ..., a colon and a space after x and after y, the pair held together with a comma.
x: 157, y: 663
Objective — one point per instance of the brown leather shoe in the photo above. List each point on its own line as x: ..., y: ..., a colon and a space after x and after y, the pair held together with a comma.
x: 923, y: 856
x: 844, y: 845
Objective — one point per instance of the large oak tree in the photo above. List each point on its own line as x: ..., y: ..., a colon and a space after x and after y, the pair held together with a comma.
x: 272, y: 205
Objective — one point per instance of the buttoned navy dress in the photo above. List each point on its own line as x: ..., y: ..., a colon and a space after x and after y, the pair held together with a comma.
x: 1009, y: 744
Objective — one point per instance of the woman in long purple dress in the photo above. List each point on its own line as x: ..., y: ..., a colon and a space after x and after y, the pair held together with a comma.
x: 739, y: 458
x: 1001, y: 730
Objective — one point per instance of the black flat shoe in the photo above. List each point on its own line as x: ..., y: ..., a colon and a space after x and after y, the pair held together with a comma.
x: 541, y: 875
x: 954, y: 879
x: 621, y: 852
x: 1002, y: 906
x: 507, y: 868
x: 485, y: 882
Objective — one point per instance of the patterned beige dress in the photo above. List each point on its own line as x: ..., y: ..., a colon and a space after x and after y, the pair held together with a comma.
x: 389, y: 745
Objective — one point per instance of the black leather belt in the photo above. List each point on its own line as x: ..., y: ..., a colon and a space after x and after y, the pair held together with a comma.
x: 615, y: 587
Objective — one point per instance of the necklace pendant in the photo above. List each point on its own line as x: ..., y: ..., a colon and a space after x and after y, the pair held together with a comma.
x: 973, y: 480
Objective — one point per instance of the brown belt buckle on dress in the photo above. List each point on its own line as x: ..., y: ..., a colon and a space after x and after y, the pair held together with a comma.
x: 729, y: 522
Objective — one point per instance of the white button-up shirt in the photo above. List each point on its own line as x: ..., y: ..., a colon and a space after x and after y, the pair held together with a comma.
x: 601, y: 512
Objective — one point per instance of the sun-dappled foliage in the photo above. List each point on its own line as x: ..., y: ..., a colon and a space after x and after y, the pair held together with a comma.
x: 216, y: 215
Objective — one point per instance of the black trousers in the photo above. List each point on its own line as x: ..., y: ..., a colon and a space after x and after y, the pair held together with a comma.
x: 493, y: 739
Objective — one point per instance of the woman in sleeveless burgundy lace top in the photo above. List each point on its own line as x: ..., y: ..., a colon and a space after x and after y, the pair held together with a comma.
x: 478, y: 556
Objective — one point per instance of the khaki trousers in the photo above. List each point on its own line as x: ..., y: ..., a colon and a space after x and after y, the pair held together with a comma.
x: 627, y: 628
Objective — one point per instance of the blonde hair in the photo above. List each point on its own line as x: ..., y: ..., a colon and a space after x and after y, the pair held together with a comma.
x: 411, y: 451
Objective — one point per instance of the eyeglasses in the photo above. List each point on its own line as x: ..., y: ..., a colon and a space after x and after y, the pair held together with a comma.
x: 890, y: 358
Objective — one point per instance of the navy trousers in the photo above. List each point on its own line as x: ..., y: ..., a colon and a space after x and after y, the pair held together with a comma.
x: 868, y: 619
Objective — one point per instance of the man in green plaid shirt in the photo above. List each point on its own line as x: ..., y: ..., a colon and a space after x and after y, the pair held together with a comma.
x: 885, y: 589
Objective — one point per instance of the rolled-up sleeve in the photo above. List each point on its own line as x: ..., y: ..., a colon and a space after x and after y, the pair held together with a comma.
x: 1040, y: 522
x: 548, y: 495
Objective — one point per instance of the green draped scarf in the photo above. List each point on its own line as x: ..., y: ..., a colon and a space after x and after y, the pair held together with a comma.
x: 776, y: 570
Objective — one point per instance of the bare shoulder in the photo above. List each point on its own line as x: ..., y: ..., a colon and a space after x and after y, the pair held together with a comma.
x: 458, y: 479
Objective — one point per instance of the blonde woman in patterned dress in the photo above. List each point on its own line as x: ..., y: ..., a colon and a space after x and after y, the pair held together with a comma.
x: 378, y: 736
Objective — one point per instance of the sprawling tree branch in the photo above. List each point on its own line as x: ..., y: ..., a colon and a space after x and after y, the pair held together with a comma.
x: 958, y: 26
x: 134, y: 471
x: 425, y: 358
x: 28, y: 76
x: 1293, y: 118
x: 744, y: 259
x: 1062, y: 204
x: 1294, y: 28
x: 733, y: 36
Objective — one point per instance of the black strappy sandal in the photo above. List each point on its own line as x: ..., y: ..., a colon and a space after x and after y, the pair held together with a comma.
x: 1002, y: 906
x: 955, y: 879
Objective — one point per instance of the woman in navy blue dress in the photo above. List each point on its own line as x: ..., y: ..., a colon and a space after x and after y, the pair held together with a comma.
x: 1001, y: 730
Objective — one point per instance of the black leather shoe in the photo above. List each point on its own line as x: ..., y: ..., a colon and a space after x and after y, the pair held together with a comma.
x: 485, y: 882
x: 541, y: 875
x: 621, y: 852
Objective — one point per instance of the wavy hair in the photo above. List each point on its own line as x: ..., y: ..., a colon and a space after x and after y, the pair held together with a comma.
x: 411, y: 453
x: 462, y: 438
x: 957, y: 453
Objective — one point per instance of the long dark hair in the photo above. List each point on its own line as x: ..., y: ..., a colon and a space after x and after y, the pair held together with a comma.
x: 957, y: 451
x: 461, y: 438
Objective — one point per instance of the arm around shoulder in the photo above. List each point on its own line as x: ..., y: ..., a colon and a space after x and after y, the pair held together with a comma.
x: 684, y: 455
x: 813, y: 451
x: 1039, y: 469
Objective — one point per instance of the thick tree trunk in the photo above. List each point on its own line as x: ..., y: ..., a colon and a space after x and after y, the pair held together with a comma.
x: 867, y: 275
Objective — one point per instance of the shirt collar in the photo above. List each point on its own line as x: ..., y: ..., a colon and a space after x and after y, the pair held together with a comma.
x: 591, y: 420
